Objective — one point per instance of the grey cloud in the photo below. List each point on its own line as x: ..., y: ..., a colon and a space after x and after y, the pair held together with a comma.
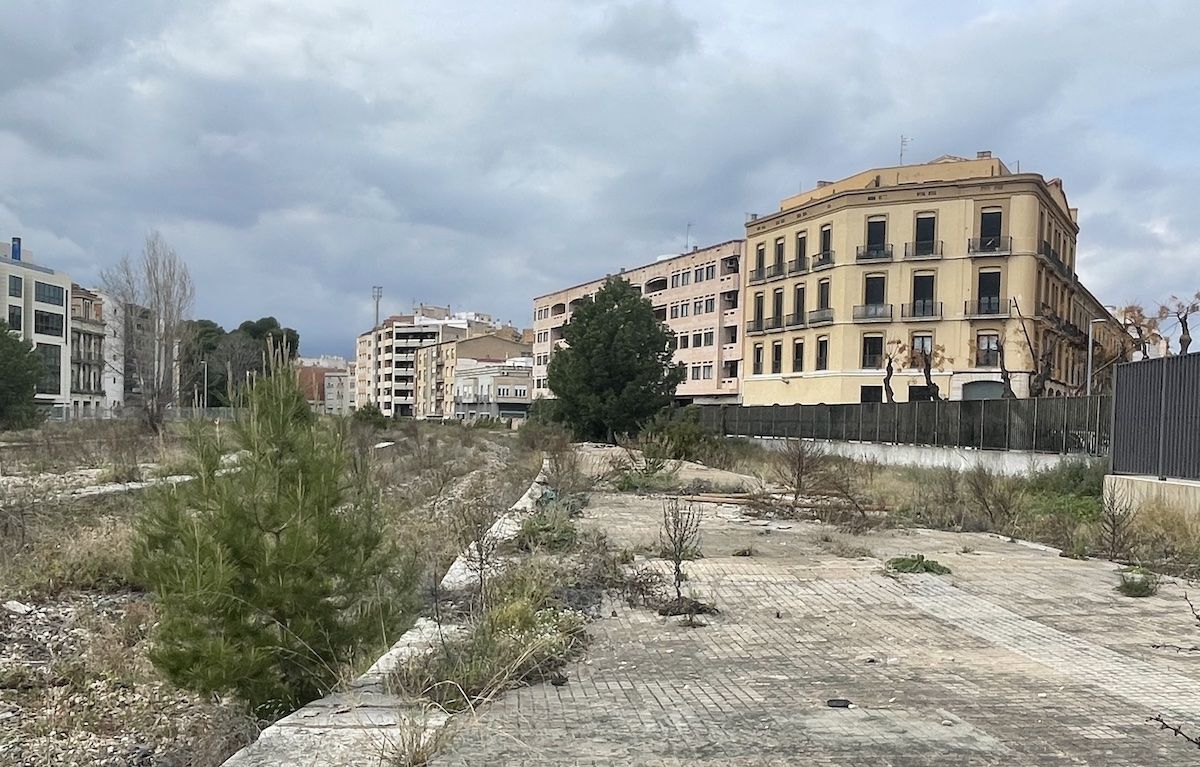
x: 650, y: 32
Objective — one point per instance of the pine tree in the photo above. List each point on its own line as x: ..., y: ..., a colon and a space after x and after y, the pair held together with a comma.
x: 272, y: 575
x: 616, y: 370
x: 20, y: 371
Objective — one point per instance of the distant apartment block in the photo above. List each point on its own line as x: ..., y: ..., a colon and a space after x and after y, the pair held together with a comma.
x: 959, y: 258
x: 698, y: 296
x: 37, y: 304
x: 339, y: 388
x: 88, y: 363
x: 494, y: 389
x: 386, y: 356
x: 438, y: 366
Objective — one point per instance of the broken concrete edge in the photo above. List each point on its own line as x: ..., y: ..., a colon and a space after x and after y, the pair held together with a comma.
x: 351, y: 726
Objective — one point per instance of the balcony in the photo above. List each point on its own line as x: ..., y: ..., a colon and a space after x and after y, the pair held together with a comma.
x: 795, y: 320
x: 1052, y: 256
x: 923, y: 249
x: 872, y: 361
x: 756, y: 326
x: 758, y: 275
x: 823, y: 260
x: 988, y: 306
x: 872, y: 312
x: 775, y: 271
x: 921, y: 310
x: 877, y: 252
x: 774, y: 323
x: 989, y: 246
x: 987, y: 358
x: 798, y: 266
x: 820, y: 316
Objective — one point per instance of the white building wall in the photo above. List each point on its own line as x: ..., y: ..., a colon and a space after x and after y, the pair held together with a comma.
x: 22, y: 278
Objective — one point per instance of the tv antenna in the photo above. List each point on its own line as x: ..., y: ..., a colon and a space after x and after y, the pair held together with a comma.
x: 904, y: 142
x: 687, y: 238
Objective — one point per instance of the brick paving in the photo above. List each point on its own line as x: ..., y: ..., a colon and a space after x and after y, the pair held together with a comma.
x: 1018, y: 657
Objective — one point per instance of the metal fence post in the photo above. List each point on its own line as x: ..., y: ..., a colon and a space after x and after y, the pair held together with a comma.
x: 1162, y: 417
x: 1008, y: 424
x: 1035, y: 431
x: 982, y: 408
x: 1066, y: 410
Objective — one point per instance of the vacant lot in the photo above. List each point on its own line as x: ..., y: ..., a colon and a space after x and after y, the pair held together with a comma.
x: 1017, y: 656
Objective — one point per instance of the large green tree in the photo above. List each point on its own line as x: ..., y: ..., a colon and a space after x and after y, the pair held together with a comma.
x: 233, y: 357
x: 20, y: 371
x: 616, y: 370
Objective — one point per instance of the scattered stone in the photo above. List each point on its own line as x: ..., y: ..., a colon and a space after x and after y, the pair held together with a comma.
x: 838, y: 703
x: 17, y: 608
x: 558, y: 679
x: 947, y: 723
x: 1041, y: 694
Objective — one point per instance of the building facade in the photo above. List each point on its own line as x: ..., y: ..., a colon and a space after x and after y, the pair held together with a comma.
x: 339, y: 386
x: 37, y: 307
x: 437, y: 365
x: 698, y: 296
x: 961, y: 261
x: 485, y: 389
x: 386, y: 356
x: 88, y: 361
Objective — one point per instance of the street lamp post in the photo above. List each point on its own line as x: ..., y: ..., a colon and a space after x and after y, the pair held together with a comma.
x: 1091, y: 336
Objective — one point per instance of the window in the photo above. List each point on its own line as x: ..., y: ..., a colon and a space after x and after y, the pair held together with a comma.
x: 989, y: 229
x: 758, y: 308
x: 15, y: 286
x: 777, y: 305
x: 522, y: 391
x: 871, y: 394
x: 758, y: 354
x: 801, y: 246
x: 48, y: 294
x: 872, y: 351
x: 674, y: 280
x: 697, y: 340
x: 14, y: 318
x: 674, y: 311
x: 698, y: 306
x: 684, y: 340
x: 51, y: 355
x: 989, y: 292
x: 874, y: 290
x: 695, y: 372
x: 707, y: 373
x: 823, y: 353
x: 798, y: 355
x: 922, y: 346
x: 926, y: 235
x: 987, y: 353
x: 798, y: 300
x: 710, y: 272
x: 699, y: 274
x: 760, y: 257
x: 48, y: 323
x: 710, y: 304
x: 779, y: 253
x: 826, y: 239
x: 685, y: 278
x: 823, y: 294
x: 709, y: 337
x: 922, y: 293
x: 876, y: 234
x: 777, y: 357
x: 731, y: 334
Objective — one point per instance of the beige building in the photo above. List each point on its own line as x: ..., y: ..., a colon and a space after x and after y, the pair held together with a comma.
x: 959, y: 258
x: 485, y: 389
x: 386, y: 357
x: 437, y: 365
x: 696, y: 294
x: 38, y: 309
x: 88, y: 366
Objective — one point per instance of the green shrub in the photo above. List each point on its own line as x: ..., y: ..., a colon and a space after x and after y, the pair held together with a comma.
x: 1077, y: 476
x: 916, y: 563
x: 1138, y: 582
x: 272, y: 577
x: 370, y: 416
x: 548, y: 528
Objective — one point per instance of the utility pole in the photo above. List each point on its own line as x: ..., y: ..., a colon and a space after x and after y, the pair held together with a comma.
x: 687, y: 238
x: 904, y: 142
x: 376, y: 293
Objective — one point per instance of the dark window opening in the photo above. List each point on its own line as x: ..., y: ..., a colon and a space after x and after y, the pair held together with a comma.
x: 874, y: 290
x: 797, y: 355
x: 871, y: 394
x: 872, y: 352
x: 777, y: 357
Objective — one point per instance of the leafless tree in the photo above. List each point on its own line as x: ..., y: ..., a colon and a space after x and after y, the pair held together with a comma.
x: 155, y: 294
x: 1181, y: 309
x: 801, y: 466
x: 1142, y: 328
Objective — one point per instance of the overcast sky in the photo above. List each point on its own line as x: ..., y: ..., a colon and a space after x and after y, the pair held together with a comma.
x: 297, y: 152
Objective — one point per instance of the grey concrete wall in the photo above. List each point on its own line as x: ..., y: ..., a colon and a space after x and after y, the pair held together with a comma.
x: 1178, y: 494
x: 1008, y: 462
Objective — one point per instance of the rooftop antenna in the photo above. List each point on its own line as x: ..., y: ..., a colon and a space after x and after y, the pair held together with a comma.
x: 904, y: 142
x: 687, y: 238
x: 376, y: 294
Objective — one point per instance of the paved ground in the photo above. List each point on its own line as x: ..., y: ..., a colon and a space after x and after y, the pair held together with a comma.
x: 1017, y: 657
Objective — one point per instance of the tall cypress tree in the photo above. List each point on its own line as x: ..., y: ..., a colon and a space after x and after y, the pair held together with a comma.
x: 616, y: 370
x: 21, y: 370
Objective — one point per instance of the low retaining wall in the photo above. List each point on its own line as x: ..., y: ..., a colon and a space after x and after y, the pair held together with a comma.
x: 1177, y: 494
x: 1008, y: 462
x: 367, y: 725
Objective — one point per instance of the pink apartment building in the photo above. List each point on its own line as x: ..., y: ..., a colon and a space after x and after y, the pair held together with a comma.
x: 696, y: 294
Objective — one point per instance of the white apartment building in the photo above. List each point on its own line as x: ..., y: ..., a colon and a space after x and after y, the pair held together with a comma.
x: 696, y: 294
x: 339, y: 388
x: 386, y: 355
x: 493, y: 390
x: 37, y: 307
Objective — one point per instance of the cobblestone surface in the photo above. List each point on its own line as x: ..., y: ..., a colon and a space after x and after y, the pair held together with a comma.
x: 1017, y: 657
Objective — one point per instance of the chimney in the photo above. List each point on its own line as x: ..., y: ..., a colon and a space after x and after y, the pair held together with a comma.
x: 753, y: 216
x: 15, y: 253
x: 984, y: 155
x: 823, y: 183
x: 695, y: 248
